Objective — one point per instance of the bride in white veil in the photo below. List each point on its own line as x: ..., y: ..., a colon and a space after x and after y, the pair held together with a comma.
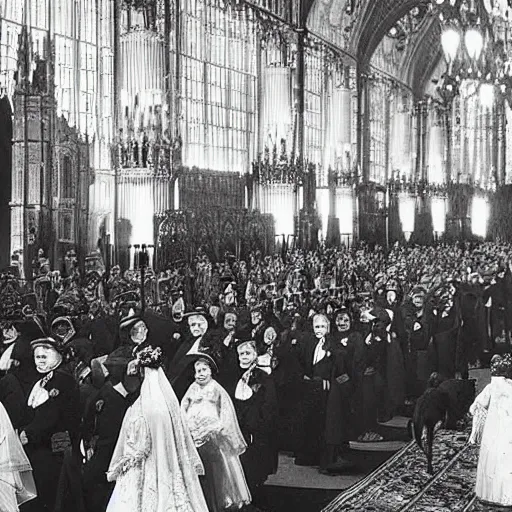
x: 155, y: 463
x: 16, y: 481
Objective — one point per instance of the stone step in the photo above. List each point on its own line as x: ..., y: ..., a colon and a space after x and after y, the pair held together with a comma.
x: 395, y: 429
x: 377, y: 446
x: 400, y: 422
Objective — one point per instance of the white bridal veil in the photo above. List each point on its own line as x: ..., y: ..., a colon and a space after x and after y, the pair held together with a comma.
x: 155, y: 442
x: 16, y: 481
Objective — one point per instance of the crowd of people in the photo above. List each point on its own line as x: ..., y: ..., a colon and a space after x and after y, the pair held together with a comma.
x: 179, y: 393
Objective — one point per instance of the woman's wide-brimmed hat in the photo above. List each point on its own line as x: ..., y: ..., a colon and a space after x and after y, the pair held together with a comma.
x: 207, y: 358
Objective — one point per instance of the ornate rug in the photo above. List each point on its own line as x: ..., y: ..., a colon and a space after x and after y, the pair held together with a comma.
x: 402, y: 483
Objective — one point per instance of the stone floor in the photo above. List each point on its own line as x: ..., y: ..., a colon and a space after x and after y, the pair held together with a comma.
x: 290, y: 475
x: 312, y: 491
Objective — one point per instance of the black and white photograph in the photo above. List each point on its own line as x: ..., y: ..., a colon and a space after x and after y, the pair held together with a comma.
x: 255, y: 255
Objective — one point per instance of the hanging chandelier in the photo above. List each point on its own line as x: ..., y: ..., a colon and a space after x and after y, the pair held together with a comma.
x: 461, y: 23
x: 476, y: 44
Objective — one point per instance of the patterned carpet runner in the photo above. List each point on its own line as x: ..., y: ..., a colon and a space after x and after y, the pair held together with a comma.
x: 402, y: 483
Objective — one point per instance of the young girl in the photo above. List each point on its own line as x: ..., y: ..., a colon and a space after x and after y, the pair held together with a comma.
x: 214, y: 427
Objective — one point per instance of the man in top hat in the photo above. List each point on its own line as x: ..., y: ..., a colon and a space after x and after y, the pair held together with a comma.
x: 133, y: 332
x: 136, y: 327
x: 53, y: 420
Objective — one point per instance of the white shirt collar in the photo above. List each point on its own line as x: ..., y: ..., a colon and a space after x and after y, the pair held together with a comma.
x: 121, y: 389
x: 320, y: 352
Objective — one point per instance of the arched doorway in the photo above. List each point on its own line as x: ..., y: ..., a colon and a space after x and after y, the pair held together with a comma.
x: 5, y: 180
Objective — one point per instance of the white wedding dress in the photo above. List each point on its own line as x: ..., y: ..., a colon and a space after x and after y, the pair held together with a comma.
x: 155, y: 463
x: 494, y: 473
x: 16, y: 481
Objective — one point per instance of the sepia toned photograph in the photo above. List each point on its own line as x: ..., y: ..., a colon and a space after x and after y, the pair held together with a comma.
x: 255, y: 255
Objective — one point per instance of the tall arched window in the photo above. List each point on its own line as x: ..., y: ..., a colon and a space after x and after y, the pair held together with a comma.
x: 66, y: 178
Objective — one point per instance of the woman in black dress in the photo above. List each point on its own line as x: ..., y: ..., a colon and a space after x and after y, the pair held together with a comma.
x: 254, y: 397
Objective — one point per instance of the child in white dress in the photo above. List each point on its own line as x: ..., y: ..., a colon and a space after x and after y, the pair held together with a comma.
x: 212, y: 421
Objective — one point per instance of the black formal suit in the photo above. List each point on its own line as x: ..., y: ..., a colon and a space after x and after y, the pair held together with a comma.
x: 339, y: 428
x: 288, y: 376
x: 103, y: 424
x: 314, y: 398
x: 57, y: 415
x: 15, y: 387
x: 257, y: 417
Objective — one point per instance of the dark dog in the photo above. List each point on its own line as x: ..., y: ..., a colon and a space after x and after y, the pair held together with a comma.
x: 445, y: 401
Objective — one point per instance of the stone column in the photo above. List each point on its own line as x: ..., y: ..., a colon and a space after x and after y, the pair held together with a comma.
x: 30, y: 221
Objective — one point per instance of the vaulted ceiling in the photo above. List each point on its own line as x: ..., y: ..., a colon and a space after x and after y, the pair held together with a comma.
x: 366, y: 23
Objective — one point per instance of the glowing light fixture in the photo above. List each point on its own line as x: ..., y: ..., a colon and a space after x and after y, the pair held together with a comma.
x: 407, y: 211
x: 487, y: 95
x: 345, y: 210
x: 322, y: 201
x: 474, y: 42
x: 438, y: 208
x: 450, y: 41
x: 278, y: 200
x: 479, y: 216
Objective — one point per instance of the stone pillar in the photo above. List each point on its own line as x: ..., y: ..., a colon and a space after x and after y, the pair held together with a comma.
x: 372, y: 214
x: 458, y: 218
x: 30, y: 221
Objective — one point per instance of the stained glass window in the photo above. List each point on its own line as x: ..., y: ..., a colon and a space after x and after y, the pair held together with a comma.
x: 379, y: 96
x: 88, y: 75
x: 12, y: 17
x: 219, y: 86
x: 314, y: 108
x: 76, y: 66
x: 106, y: 66
x: 64, y: 77
x: 66, y: 178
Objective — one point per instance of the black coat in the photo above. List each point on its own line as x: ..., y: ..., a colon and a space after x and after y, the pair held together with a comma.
x: 313, y: 401
x: 103, y: 424
x: 58, y: 415
x: 180, y: 371
x: 338, y: 424
x: 257, y: 420
x: 15, y: 388
x: 16, y: 385
x: 288, y: 380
